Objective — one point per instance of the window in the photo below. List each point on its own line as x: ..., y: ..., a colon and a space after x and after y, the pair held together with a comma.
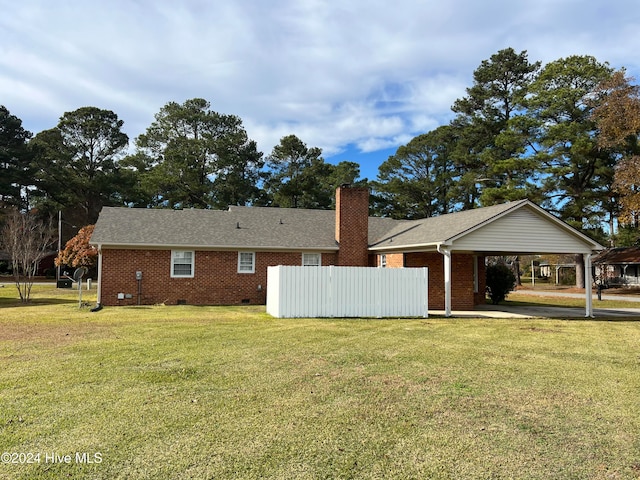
x: 311, y: 260
x: 383, y: 261
x: 246, y: 262
x: 182, y: 262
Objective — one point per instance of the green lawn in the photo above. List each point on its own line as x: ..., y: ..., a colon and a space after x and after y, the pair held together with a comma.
x: 229, y: 392
x: 516, y: 298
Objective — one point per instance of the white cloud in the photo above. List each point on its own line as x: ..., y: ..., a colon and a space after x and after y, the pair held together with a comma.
x: 367, y: 74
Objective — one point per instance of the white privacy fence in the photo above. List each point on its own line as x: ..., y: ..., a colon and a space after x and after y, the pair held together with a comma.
x: 347, y: 292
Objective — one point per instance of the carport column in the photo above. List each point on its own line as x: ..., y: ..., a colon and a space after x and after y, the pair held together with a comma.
x: 447, y: 279
x: 99, y: 299
x: 587, y: 286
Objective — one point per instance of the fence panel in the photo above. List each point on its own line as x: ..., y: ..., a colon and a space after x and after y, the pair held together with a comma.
x: 294, y: 291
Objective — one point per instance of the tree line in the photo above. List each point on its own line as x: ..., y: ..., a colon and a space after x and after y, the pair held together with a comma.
x: 189, y: 157
x: 564, y: 135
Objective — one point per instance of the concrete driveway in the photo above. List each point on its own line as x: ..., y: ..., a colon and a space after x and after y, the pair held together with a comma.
x: 540, y: 311
x: 543, y: 311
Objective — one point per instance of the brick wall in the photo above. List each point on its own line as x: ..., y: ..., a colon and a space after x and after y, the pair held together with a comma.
x: 463, y: 296
x: 216, y: 279
x: 394, y: 260
x: 352, y: 225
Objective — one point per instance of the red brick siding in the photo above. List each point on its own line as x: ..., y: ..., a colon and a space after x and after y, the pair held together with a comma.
x: 394, y: 260
x: 352, y: 225
x: 216, y: 279
x: 462, y: 288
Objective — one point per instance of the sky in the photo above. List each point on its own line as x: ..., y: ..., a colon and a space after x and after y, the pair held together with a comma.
x: 357, y: 78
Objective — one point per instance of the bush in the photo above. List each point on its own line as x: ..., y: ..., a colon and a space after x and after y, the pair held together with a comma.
x: 500, y: 281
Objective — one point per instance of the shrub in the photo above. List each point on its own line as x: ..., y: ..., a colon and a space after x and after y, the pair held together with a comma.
x: 500, y: 281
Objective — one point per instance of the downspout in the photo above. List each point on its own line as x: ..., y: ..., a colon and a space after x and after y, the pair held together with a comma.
x: 588, y: 310
x: 99, y: 290
x: 446, y: 253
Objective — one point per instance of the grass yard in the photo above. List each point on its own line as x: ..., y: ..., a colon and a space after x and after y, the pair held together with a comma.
x: 229, y: 392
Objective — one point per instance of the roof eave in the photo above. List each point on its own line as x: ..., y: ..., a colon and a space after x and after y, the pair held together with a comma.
x: 388, y: 247
x: 156, y: 246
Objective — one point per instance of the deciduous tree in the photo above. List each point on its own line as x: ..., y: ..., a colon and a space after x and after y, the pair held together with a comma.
x: 617, y: 114
x: 27, y: 240
x: 78, y: 252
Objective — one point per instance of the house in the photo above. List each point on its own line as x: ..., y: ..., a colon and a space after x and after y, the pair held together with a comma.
x: 149, y: 256
x: 618, y: 266
x: 562, y: 273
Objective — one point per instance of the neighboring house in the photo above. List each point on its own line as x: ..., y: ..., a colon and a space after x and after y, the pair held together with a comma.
x: 209, y: 257
x: 618, y: 266
x: 559, y: 271
x: 45, y: 267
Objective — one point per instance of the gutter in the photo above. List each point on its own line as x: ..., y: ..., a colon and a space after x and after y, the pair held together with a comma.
x: 98, y: 306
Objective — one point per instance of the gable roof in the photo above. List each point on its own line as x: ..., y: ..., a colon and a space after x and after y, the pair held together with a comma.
x: 521, y: 227
x: 304, y: 229
x: 440, y: 229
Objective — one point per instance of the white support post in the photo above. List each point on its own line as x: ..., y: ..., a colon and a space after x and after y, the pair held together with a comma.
x: 446, y: 253
x: 587, y: 286
x: 99, y: 289
x: 533, y: 274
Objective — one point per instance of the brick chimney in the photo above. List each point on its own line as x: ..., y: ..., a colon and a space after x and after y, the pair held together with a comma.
x: 352, y: 225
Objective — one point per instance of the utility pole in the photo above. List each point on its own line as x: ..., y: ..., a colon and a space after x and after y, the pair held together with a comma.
x: 59, y: 245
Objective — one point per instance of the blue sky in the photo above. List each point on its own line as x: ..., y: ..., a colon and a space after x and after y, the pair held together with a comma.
x: 357, y: 78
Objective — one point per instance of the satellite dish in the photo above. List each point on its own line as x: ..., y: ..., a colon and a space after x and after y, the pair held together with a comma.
x: 79, y: 273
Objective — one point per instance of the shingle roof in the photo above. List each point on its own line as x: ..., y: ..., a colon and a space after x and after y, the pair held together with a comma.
x: 258, y: 227
x: 276, y: 228
x: 620, y: 255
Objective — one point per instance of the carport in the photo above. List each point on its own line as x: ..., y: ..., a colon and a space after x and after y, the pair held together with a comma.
x: 515, y: 228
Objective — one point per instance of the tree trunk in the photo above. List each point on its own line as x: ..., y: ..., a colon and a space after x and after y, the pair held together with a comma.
x: 579, y: 260
x: 516, y: 271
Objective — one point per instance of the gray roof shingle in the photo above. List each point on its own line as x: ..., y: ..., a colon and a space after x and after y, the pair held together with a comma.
x: 272, y: 228
x: 243, y: 227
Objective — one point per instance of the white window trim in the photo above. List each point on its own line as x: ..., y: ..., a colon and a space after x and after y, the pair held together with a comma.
x: 383, y: 260
x: 305, y: 264
x: 253, y: 262
x: 193, y: 263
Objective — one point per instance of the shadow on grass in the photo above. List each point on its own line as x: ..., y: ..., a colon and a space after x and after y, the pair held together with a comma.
x: 15, y: 302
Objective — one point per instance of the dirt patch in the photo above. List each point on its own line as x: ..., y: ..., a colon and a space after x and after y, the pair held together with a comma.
x: 51, y: 335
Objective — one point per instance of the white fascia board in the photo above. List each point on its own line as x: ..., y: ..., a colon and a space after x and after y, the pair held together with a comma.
x: 142, y: 246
